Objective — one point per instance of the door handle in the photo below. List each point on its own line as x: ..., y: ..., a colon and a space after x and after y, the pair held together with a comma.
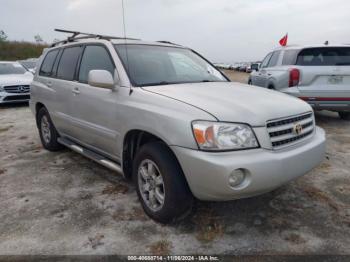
x: 269, y: 74
x: 49, y: 84
x: 76, y: 91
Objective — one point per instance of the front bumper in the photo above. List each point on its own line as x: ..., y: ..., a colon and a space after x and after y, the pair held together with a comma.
x: 7, y: 98
x: 208, y: 173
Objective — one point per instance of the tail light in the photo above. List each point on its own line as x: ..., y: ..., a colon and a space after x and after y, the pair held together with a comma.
x: 294, y: 77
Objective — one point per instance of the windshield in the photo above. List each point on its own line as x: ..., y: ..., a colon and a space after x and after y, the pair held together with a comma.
x: 324, y: 56
x: 11, y: 69
x: 28, y: 64
x: 160, y: 65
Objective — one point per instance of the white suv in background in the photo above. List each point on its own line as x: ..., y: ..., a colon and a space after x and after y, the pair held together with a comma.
x: 14, y: 83
x: 320, y: 75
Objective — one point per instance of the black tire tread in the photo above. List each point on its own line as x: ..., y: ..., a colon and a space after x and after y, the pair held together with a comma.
x: 53, y: 145
x: 344, y: 115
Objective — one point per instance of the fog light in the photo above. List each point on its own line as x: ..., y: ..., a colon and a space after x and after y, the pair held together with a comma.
x: 236, y: 177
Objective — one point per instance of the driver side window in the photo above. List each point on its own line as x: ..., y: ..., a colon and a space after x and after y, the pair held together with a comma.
x: 94, y: 58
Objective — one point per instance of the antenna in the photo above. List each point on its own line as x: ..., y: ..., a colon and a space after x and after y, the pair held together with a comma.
x: 126, y: 46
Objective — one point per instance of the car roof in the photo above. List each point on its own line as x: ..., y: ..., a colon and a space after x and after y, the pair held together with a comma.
x: 299, y: 47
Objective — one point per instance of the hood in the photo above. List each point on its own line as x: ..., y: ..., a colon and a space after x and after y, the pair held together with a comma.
x: 235, y: 102
x: 25, y: 79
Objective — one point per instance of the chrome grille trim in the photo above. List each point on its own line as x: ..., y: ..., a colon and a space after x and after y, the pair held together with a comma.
x: 281, y: 131
x: 18, y: 89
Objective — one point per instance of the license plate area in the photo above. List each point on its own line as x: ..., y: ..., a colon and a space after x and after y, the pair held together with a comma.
x: 335, y: 80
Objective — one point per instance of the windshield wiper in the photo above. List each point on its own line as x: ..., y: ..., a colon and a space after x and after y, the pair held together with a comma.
x: 158, y: 83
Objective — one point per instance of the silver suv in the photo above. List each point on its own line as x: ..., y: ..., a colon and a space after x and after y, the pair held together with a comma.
x: 164, y: 116
x: 320, y: 75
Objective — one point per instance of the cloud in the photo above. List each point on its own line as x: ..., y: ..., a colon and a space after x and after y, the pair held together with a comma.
x: 222, y: 30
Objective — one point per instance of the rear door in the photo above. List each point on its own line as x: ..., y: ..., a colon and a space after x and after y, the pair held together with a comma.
x: 95, y: 109
x: 325, y: 72
x: 63, y: 83
x: 268, y: 71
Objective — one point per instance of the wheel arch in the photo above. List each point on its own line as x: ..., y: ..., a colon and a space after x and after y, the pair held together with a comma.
x: 132, y: 142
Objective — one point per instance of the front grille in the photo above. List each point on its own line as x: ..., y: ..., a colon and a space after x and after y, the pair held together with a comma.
x: 284, y: 132
x: 17, y: 89
x: 15, y: 98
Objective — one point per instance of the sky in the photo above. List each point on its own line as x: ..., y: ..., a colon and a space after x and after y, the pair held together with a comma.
x: 221, y: 30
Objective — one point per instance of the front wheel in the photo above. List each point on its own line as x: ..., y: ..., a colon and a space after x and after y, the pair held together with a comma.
x: 160, y: 183
x: 344, y: 115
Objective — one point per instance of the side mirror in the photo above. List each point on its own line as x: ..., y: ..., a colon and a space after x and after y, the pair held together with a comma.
x: 255, y: 67
x: 101, y: 78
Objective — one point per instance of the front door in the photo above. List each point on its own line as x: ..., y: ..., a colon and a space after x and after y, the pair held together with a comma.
x: 94, y: 108
x: 260, y: 77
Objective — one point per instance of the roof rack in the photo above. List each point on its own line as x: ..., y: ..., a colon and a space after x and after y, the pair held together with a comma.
x: 76, y: 35
x: 168, y: 42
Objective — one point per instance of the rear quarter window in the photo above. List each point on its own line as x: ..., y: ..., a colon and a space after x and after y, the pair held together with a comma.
x: 47, y: 65
x: 290, y: 57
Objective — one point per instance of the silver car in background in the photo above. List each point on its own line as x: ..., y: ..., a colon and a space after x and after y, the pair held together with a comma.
x: 15, y: 83
x: 319, y: 75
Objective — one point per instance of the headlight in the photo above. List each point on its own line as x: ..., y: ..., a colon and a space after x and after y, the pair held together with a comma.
x: 216, y: 136
x: 1, y: 89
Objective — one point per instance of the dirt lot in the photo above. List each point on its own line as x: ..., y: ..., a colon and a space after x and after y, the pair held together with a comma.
x: 62, y: 203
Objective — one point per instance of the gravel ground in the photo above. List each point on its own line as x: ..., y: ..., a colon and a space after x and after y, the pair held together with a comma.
x: 62, y: 203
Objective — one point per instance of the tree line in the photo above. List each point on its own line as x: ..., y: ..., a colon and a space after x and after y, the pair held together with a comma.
x: 20, y: 50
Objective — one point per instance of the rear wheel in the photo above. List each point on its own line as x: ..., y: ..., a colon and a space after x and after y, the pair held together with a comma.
x: 47, y: 131
x: 344, y: 115
x: 160, y: 183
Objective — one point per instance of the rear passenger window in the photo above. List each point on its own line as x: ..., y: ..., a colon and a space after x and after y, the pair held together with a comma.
x: 47, y: 65
x: 274, y: 59
x: 94, y: 58
x: 68, y: 63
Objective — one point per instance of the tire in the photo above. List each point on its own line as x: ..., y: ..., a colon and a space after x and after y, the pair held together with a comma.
x: 250, y: 82
x: 177, y: 197
x: 47, y: 131
x: 344, y: 115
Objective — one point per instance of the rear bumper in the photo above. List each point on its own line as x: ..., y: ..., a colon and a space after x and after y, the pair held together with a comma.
x: 7, y: 98
x: 328, y: 103
x: 322, y: 101
x: 208, y: 173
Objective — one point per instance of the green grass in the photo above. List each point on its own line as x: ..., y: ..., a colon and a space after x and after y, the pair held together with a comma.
x: 13, y: 50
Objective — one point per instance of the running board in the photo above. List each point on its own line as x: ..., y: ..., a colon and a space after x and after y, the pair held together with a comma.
x: 91, y: 155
